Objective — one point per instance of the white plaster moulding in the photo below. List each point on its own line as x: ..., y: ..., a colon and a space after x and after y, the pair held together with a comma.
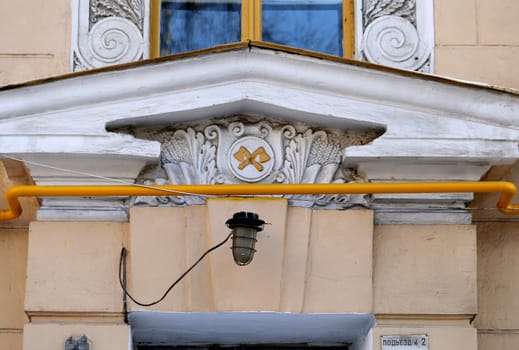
x: 294, y: 104
x: 421, y: 216
x: 429, y: 150
x: 435, y: 129
x: 417, y: 169
x: 123, y: 168
x: 83, y: 211
x: 115, y: 146
x: 305, y: 106
x: 410, y: 133
x: 278, y: 68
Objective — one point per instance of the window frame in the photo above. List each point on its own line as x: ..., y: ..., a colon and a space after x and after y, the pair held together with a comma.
x: 251, y: 25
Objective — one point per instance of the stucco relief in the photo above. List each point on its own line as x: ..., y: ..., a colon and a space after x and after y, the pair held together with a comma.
x: 109, y: 32
x: 396, y: 33
x: 229, y: 151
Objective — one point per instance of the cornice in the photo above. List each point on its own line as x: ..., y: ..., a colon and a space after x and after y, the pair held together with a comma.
x: 257, y: 65
x: 434, y: 130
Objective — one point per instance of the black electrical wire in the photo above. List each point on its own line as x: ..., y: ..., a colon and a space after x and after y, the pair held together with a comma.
x: 122, y: 279
x: 125, y: 298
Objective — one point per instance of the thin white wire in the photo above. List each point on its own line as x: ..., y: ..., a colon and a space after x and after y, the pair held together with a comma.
x: 2, y: 155
x: 102, y: 177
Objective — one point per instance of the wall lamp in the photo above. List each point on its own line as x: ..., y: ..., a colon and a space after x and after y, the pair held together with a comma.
x: 244, y: 226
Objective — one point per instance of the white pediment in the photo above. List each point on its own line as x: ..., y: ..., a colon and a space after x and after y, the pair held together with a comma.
x: 435, y: 129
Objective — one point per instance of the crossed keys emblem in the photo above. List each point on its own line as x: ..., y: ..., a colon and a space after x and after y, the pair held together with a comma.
x: 255, y: 158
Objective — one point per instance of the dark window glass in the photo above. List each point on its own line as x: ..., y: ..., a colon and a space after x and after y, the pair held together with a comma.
x: 198, y: 24
x: 307, y: 24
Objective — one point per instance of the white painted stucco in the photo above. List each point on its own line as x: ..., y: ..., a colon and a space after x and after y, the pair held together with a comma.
x: 436, y: 129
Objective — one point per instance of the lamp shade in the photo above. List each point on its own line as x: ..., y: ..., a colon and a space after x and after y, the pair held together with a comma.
x: 245, y: 226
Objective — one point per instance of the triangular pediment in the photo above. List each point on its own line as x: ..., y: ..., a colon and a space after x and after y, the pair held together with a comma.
x: 435, y: 128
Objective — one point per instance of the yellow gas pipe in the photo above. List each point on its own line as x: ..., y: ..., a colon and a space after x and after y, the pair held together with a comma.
x: 507, y: 190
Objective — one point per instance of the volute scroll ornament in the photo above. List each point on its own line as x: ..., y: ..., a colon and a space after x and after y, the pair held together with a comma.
x: 396, y: 33
x: 108, y: 32
x: 248, y: 150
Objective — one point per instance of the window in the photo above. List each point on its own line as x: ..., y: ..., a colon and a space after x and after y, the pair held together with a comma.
x: 319, y: 25
x: 194, y: 25
x: 396, y: 33
x: 312, y: 25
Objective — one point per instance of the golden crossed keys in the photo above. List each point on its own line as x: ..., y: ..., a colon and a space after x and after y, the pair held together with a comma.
x: 245, y: 158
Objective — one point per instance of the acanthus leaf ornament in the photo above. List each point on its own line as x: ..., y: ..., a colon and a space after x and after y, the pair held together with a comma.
x: 401, y: 8
x: 252, y: 151
x: 132, y: 10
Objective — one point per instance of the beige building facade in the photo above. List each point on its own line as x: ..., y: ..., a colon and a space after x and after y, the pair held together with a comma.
x: 351, y: 270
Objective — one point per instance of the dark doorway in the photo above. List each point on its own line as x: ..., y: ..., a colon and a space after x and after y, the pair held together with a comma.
x: 247, y: 347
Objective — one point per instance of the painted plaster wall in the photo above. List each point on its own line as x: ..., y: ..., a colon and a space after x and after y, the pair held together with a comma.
x: 498, y: 248
x: 424, y: 282
x: 34, y: 39
x: 407, y: 275
x: 52, y: 336
x: 306, y: 261
x: 72, y: 287
x: 13, y: 257
x: 444, y: 334
x: 72, y: 267
x: 498, y: 268
x: 476, y: 40
x: 13, y: 260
